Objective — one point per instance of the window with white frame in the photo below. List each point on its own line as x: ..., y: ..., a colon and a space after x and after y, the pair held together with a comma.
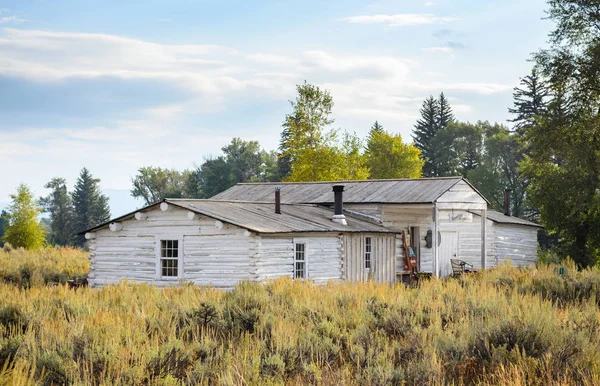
x: 368, y: 252
x: 169, y: 258
x: 300, y: 261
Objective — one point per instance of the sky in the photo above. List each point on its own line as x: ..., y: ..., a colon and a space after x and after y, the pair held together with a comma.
x: 114, y: 87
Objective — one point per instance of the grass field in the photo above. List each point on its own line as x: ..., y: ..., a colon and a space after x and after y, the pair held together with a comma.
x: 504, y: 326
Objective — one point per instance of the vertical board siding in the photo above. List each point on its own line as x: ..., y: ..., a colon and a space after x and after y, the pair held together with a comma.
x: 401, y: 218
x: 212, y: 256
x: 516, y: 243
x: 468, y: 227
x: 383, y: 259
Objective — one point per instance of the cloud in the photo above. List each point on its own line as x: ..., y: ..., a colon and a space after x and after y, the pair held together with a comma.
x: 400, y: 20
x: 11, y: 19
x: 430, y: 4
x: 445, y: 50
x: 116, y: 103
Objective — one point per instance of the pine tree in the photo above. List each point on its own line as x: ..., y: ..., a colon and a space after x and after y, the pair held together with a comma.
x: 529, y: 101
x: 60, y: 206
x: 445, y: 116
x: 91, y: 206
x: 375, y: 129
x: 23, y: 229
x: 425, y: 131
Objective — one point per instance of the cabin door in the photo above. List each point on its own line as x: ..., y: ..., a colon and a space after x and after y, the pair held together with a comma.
x: 448, y: 250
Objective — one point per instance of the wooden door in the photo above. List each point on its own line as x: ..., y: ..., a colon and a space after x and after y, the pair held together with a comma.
x: 448, y: 250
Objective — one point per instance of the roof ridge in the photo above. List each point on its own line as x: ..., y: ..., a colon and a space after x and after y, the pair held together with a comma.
x: 238, y: 201
x: 343, y: 181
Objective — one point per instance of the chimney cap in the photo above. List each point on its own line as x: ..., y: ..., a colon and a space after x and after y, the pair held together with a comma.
x: 278, y: 188
x: 338, y: 188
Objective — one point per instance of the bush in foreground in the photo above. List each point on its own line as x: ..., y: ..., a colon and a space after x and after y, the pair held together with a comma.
x: 45, y: 266
x: 503, y: 326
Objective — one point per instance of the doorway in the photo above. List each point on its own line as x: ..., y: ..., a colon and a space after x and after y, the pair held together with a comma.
x: 448, y: 250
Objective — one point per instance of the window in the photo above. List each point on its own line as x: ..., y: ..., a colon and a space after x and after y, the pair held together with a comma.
x: 169, y: 256
x: 300, y: 261
x: 368, y: 252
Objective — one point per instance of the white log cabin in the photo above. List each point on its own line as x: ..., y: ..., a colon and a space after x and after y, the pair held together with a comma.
x: 322, y: 231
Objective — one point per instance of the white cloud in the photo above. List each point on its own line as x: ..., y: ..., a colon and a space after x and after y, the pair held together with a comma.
x: 11, y: 19
x: 400, y: 20
x: 430, y: 4
x: 365, y: 87
x: 445, y: 50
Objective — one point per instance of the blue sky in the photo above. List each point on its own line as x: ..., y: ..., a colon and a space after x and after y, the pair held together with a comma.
x: 114, y: 86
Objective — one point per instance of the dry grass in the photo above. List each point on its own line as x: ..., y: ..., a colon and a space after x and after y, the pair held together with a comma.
x: 505, y: 326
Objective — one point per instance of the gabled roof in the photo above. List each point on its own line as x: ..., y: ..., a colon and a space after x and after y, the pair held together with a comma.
x: 500, y: 218
x: 260, y: 217
x: 398, y: 191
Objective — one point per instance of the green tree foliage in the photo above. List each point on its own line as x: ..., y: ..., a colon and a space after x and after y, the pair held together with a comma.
x: 530, y: 100
x: 23, y: 229
x: 563, y: 164
x: 215, y: 176
x: 499, y: 169
x: 314, y: 152
x: 467, y: 146
x: 436, y: 115
x: 389, y: 157
x: 91, y: 206
x: 424, y: 132
x: 154, y: 183
x: 62, y: 214
x: 3, y: 222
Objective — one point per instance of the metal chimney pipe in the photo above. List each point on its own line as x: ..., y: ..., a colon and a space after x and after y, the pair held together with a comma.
x: 278, y: 199
x: 507, y: 202
x: 338, y: 200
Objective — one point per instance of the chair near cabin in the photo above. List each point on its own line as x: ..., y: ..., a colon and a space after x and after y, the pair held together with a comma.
x: 459, y: 267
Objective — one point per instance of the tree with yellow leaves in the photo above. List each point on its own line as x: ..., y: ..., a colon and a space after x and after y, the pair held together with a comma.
x: 388, y: 157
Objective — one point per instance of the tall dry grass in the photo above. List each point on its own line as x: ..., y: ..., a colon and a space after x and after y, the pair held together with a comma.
x: 43, y: 266
x: 504, y: 326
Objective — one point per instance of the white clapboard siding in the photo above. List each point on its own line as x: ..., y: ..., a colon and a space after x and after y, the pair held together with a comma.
x: 276, y: 257
x: 219, y: 260
x: 516, y: 243
x: 383, y: 260
x: 468, y: 228
x: 461, y: 196
x: 324, y: 257
x: 131, y: 253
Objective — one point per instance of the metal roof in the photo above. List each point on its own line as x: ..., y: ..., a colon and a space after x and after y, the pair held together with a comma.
x: 399, y: 191
x: 260, y: 217
x: 500, y: 218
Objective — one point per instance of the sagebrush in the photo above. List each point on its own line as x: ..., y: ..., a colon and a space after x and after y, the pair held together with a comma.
x: 502, y: 326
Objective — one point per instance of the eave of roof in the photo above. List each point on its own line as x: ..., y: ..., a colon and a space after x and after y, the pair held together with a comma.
x: 319, y: 223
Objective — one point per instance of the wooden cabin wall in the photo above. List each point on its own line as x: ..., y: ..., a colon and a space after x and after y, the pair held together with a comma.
x: 211, y: 255
x: 517, y: 243
x: 323, y: 256
x: 383, y: 261
x: 468, y: 228
x: 401, y: 218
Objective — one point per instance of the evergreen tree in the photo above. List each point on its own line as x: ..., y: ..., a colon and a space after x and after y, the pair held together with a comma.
x: 91, y: 206
x: 445, y: 116
x: 424, y: 132
x: 60, y: 206
x: 23, y: 229
x: 529, y: 101
x: 3, y: 223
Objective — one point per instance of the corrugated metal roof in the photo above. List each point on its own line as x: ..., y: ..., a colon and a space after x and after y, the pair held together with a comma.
x: 500, y: 218
x: 400, y: 191
x: 261, y: 217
